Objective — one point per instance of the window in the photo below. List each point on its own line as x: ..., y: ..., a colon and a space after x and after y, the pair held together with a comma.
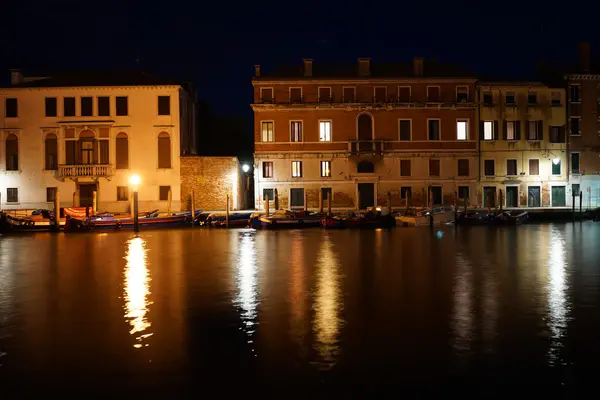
x: 404, y: 94
x: 326, y: 194
x: 12, y: 153
x: 557, y: 134
x: 575, y: 131
x: 433, y: 129
x: 534, y: 167
x: 268, y: 194
x: 122, y: 193
x: 11, y: 108
x: 164, y: 105
x: 532, y: 98
x: 405, y: 192
x: 267, y: 167
x: 104, y: 156
x: 511, y: 131
x: 575, y: 189
x: 348, y: 95
x: 324, y: 94
x: 267, y: 128
x: 69, y: 106
x: 122, y: 151
x: 575, y: 163
x: 489, y: 167
x: 296, y: 169
x: 556, y: 164
x: 462, y: 93
x: 122, y: 106
x: 163, y: 193
x: 295, y: 131
x: 380, y: 94
x: 103, y: 106
x: 87, y: 106
x: 509, y: 98
x: 50, y: 194
x: 461, y: 130
x: 488, y: 99
x: 12, y: 195
x: 534, y: 130
x: 71, y: 152
x: 463, y: 192
x: 434, y: 167
x: 556, y: 99
x: 51, y: 152
x: 325, y: 131
x: 574, y: 94
x: 511, y: 167
x: 433, y: 93
x: 463, y: 167
x: 365, y: 167
x: 489, y: 131
x: 51, y: 107
x: 405, y: 168
x: 295, y: 95
x: 164, y: 150
x: 404, y: 126
x: 266, y: 95
x: 326, y: 169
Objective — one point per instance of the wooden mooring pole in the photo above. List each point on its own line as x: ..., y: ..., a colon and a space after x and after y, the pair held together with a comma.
x: 193, y: 207
x: 266, y: 205
x: 573, y: 207
x: 580, y: 206
x: 169, y: 200
x: 94, y: 203
x: 227, y: 213
x: 57, y: 210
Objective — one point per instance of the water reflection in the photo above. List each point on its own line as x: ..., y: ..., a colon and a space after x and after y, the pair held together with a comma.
x: 247, y: 297
x: 297, y: 288
x: 328, y: 303
x: 557, y: 302
x: 137, y: 291
x: 7, y: 273
x: 462, y: 313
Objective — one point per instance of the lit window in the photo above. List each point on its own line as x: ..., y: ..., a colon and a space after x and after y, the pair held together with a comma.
x: 325, y: 131
x: 534, y: 130
x: 296, y: 169
x: 267, y: 169
x: 326, y: 169
x: 461, y: 130
x: 267, y: 131
x: 488, y: 130
x: 296, y: 131
x: 510, y: 130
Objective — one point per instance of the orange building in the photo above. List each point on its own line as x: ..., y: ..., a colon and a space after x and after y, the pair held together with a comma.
x: 362, y: 131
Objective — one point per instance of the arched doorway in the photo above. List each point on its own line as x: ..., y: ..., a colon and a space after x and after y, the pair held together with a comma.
x: 365, y: 127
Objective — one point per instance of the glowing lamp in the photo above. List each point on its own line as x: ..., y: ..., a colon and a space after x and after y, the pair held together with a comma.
x: 555, y: 161
x: 135, y: 180
x: 245, y: 167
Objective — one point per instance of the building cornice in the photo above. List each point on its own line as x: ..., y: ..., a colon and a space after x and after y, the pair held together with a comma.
x: 374, y: 81
x: 82, y: 88
x: 363, y: 106
x: 582, y: 77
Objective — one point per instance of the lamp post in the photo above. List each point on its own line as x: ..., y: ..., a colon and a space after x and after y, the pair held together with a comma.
x: 135, y: 182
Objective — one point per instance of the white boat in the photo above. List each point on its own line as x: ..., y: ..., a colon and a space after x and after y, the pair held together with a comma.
x: 441, y: 216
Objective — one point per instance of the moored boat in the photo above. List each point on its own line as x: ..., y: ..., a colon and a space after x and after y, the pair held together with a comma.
x: 236, y: 220
x: 375, y: 217
x: 37, y: 221
x: 149, y: 220
x: 284, y: 219
x: 441, y: 216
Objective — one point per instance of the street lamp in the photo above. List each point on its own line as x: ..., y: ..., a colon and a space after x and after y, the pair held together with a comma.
x: 555, y: 160
x: 135, y: 181
x: 245, y: 167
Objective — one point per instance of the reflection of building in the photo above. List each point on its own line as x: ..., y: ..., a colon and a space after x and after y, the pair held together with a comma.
x: 89, y: 132
x: 364, y: 131
x: 522, y: 145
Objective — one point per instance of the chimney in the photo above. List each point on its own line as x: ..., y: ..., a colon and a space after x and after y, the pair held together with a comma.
x: 584, y: 57
x: 364, y: 66
x: 418, y: 66
x: 16, y: 77
x: 308, y: 67
x: 257, y: 70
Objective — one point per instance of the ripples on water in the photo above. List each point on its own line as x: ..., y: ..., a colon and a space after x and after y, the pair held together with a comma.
x: 339, y: 310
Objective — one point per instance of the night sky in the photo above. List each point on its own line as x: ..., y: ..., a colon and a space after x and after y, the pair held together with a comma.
x: 216, y: 44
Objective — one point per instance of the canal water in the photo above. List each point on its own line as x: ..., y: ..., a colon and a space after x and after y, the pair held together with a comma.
x: 300, y: 313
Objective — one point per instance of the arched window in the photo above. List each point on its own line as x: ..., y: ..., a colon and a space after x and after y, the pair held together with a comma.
x: 12, y: 153
x: 365, y: 127
x: 365, y: 167
x: 51, y: 152
x: 122, y: 150
x: 88, y: 147
x: 164, y: 150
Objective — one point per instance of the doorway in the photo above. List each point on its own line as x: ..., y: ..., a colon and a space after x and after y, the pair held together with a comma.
x: 366, y: 195
x: 512, y: 196
x: 533, y: 196
x: 559, y: 196
x: 296, y: 198
x: 436, y: 195
x: 86, y: 194
x: 489, y: 196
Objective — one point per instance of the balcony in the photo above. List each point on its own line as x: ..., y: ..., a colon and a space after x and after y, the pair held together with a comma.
x: 365, y: 147
x: 85, y: 171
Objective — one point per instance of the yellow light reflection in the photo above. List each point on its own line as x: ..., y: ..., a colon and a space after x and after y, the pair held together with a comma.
x: 298, y: 294
x: 558, y: 306
x: 328, y: 303
x: 247, y: 298
x: 137, y: 291
x: 462, y: 314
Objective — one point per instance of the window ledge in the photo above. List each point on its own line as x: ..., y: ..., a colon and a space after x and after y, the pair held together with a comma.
x: 534, y: 140
x: 512, y: 176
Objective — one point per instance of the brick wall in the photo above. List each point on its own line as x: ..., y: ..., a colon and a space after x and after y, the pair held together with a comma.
x: 212, y: 179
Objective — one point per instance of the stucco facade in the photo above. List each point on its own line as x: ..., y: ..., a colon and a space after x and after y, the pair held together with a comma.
x: 523, y: 149
x: 84, y: 156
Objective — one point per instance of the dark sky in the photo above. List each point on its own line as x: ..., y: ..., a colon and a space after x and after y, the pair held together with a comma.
x: 217, y: 43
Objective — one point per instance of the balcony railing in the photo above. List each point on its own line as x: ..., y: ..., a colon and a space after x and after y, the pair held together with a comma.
x: 366, y: 147
x: 85, y: 171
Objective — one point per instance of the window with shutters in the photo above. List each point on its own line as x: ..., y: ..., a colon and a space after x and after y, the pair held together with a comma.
x: 511, y: 130
x: 266, y: 95
x: 69, y: 106
x: 511, y: 167
x: 51, y: 152
x: 11, y: 108
x: 489, y: 167
x: 87, y: 147
x: 51, y: 107
x: 164, y: 105
x: 295, y: 95
x: 296, y: 169
x: 405, y: 192
x: 556, y: 166
x: 462, y: 127
x: 122, y: 151
x: 103, y: 106
x: 463, y: 167
x: 324, y: 95
x: 534, y: 167
x: 267, y: 131
x: 434, y: 167
x: 12, y: 195
x: 349, y: 95
x: 295, y: 131
x: 404, y: 94
x: 164, y: 150
x: 575, y: 163
x: 488, y: 130
x: 462, y: 93
x: 534, y: 130
x: 325, y: 169
x: 433, y: 129
x: 87, y: 106
x: 575, y: 126
x: 122, y: 193
x: 163, y: 193
x: 122, y: 106
x: 433, y: 94
x: 104, y: 157
x: 380, y: 94
x: 404, y: 125
x: 268, y: 194
x: 267, y: 167
x: 405, y: 168
x: 12, y: 152
x: 71, y: 154
x: 557, y: 134
x: 50, y: 194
